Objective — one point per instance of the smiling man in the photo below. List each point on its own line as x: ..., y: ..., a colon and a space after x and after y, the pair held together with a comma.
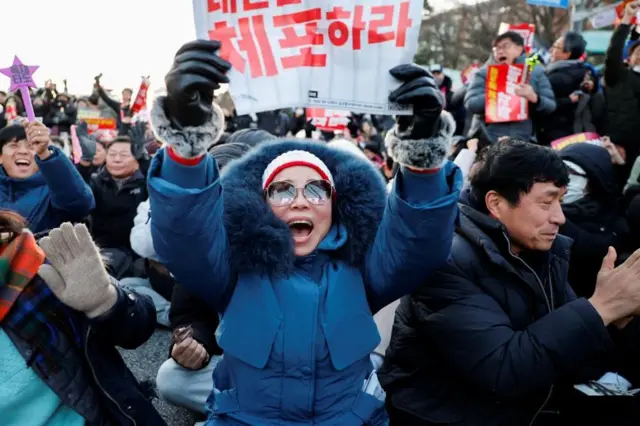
x: 498, y: 337
x: 38, y: 181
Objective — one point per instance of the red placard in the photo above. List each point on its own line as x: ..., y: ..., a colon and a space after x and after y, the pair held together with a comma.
x: 588, y: 137
x: 328, y: 120
x: 141, y: 98
x: 527, y: 31
x: 502, y: 105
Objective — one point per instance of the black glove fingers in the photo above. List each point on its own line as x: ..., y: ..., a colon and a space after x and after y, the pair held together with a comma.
x: 408, y: 72
x: 201, y: 69
x: 204, y: 57
x: 207, y: 45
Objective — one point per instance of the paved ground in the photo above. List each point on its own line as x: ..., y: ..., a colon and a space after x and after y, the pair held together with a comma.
x: 144, y: 362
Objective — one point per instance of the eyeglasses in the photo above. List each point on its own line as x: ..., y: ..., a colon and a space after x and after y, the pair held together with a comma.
x: 284, y: 193
x: 504, y: 46
x: 123, y: 155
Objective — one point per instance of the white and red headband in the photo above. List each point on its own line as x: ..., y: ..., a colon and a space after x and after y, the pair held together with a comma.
x: 292, y: 159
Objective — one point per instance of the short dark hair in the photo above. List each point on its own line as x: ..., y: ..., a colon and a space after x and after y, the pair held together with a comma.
x: 574, y: 44
x: 15, y: 132
x: 3, y: 93
x: 515, y: 38
x: 512, y: 167
x: 126, y: 89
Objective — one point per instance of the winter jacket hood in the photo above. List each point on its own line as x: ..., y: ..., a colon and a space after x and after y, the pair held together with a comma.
x: 260, y: 242
x: 596, y: 162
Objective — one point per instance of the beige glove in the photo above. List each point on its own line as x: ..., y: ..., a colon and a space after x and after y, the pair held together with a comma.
x: 77, y: 275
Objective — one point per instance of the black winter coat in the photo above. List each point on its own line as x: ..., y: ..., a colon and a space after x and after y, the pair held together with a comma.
x: 565, y: 78
x: 488, y: 341
x: 112, y: 219
x: 187, y: 309
x: 594, y: 222
x: 622, y: 89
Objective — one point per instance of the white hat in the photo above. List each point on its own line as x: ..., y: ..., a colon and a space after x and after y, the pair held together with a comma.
x: 292, y: 159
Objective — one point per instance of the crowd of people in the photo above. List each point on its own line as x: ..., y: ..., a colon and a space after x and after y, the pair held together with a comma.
x: 430, y: 269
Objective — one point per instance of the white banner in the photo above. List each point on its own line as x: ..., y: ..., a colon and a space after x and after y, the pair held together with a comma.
x: 333, y: 54
x: 604, y: 18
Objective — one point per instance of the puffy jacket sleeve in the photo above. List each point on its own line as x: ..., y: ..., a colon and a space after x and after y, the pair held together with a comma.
x: 69, y: 192
x: 414, y: 237
x: 477, y: 338
x: 141, y: 241
x: 187, y: 210
x: 475, y: 97
x: 546, y: 99
x: 614, y: 67
x: 129, y: 323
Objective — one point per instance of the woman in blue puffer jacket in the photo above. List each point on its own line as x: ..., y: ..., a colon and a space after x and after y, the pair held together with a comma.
x: 297, y: 245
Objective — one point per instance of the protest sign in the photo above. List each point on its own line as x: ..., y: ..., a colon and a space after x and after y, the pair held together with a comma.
x: 22, y: 78
x: 605, y: 17
x: 95, y: 121
x: 328, y: 120
x: 141, y: 98
x: 333, y: 54
x: 561, y: 4
x: 527, y: 31
x: 502, y: 104
x: 588, y: 137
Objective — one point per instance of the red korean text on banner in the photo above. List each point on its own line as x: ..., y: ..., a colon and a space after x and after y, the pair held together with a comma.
x: 141, y: 98
x: 502, y: 104
x: 328, y: 120
x: 95, y: 124
x: 467, y: 74
x: 249, y: 45
x: 527, y: 31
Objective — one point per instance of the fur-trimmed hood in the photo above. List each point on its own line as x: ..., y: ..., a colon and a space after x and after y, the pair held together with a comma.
x: 261, y: 243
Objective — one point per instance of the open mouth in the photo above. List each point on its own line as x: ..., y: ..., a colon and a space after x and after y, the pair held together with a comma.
x: 502, y: 59
x: 22, y: 164
x: 300, y: 229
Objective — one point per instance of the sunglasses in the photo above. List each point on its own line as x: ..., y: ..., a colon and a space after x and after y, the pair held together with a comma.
x: 283, y: 193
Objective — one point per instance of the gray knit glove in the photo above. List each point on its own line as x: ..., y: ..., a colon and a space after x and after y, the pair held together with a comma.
x: 77, y: 275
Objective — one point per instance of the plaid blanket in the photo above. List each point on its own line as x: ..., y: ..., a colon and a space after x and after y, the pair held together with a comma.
x: 29, y: 307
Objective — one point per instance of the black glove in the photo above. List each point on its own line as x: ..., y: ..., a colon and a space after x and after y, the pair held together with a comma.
x: 420, y: 90
x: 196, y: 73
x: 309, y: 128
x: 137, y: 134
x: 87, y: 142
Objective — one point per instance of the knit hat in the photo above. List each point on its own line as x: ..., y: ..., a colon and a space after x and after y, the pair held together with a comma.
x: 292, y: 159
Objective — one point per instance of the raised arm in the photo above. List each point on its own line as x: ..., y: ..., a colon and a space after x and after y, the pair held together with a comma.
x: 414, y: 237
x: 185, y: 194
x: 68, y: 190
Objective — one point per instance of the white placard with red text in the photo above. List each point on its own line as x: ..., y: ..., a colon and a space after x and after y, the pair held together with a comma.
x: 328, y: 120
x: 333, y: 54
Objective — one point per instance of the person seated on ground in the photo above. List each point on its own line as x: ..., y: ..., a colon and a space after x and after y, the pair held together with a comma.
x: 592, y: 218
x: 38, y: 181
x: 61, y: 318
x: 93, y: 152
x: 291, y: 251
x: 119, y: 187
x: 159, y: 284
x: 497, y: 336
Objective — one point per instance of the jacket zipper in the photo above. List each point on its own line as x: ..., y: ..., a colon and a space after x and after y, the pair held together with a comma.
x: 95, y: 378
x: 549, y: 307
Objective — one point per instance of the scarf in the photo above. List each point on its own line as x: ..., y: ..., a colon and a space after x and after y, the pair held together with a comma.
x: 29, y: 308
x: 20, y: 260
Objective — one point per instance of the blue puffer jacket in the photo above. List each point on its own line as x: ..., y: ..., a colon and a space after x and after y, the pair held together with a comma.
x: 297, y: 332
x: 55, y: 194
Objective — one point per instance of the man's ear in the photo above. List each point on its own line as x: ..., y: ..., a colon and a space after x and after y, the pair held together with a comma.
x: 494, y: 203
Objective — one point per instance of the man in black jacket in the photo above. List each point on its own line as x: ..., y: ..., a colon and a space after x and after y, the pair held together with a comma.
x: 622, y: 89
x: 568, y: 77
x: 497, y: 337
x: 118, y: 189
